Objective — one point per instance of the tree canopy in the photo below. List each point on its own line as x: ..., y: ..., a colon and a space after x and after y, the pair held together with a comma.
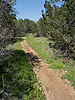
x: 58, y: 23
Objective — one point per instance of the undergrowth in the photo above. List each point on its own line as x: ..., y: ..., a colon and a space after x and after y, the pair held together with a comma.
x: 41, y: 46
x: 18, y: 81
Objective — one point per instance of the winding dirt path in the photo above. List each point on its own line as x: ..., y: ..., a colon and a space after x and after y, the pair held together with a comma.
x: 54, y: 87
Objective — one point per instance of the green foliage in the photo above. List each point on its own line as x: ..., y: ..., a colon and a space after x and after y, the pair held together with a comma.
x: 7, y: 16
x: 23, y: 27
x: 59, y: 25
x: 17, y: 78
x: 40, y: 45
x: 33, y: 27
x: 41, y: 27
x: 70, y: 77
x: 57, y: 65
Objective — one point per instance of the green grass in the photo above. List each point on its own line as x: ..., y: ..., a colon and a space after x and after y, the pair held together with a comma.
x: 41, y: 46
x: 19, y: 78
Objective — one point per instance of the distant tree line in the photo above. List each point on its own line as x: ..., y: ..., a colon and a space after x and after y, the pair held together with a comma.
x: 25, y: 26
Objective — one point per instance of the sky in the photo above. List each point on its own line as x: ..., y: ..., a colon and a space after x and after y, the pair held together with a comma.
x: 30, y: 9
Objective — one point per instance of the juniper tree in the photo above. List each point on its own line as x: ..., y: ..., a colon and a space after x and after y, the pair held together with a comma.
x: 7, y: 15
x: 60, y: 25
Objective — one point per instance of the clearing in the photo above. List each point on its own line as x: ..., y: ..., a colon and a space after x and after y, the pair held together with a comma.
x: 54, y: 87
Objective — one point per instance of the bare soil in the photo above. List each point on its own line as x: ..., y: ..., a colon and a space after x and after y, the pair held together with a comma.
x: 54, y: 87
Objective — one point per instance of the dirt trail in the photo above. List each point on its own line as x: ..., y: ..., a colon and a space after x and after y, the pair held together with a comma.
x: 54, y: 87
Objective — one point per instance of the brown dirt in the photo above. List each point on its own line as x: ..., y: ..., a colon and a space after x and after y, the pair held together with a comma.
x: 54, y: 87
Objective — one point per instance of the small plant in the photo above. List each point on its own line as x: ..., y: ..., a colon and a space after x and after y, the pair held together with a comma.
x: 57, y: 65
x: 70, y: 77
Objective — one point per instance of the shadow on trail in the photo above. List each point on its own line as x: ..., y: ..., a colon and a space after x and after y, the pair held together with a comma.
x: 34, y: 60
x: 15, y: 39
x: 22, y: 39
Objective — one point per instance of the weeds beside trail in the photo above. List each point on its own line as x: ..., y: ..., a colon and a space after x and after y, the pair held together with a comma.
x: 41, y: 46
x: 19, y: 78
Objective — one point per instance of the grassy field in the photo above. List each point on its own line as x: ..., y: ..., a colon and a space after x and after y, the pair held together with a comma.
x: 18, y: 77
x: 41, y: 46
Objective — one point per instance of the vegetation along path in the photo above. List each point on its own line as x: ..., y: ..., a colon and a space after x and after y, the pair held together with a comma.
x: 53, y: 86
